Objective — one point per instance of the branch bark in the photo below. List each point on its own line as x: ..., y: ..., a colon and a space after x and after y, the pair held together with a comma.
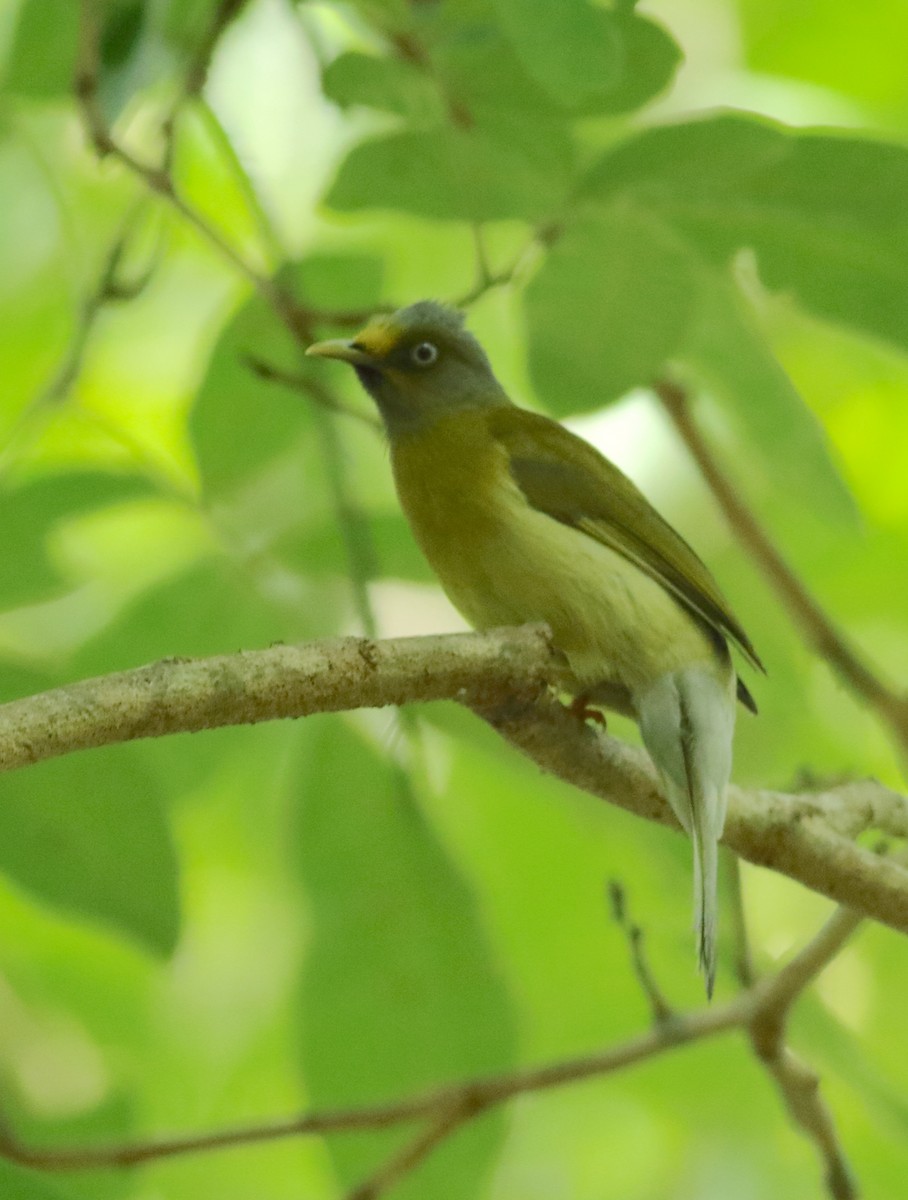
x: 503, y: 676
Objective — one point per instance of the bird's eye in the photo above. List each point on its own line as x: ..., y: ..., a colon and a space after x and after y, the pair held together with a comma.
x: 424, y: 354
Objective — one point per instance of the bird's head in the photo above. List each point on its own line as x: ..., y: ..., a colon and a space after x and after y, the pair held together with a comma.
x: 418, y: 364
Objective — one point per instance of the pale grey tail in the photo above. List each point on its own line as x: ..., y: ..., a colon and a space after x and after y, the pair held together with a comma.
x: 687, y: 721
x: 706, y: 915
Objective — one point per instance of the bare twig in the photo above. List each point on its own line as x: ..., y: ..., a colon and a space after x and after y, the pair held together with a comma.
x: 110, y: 288
x: 759, y: 1012
x: 816, y: 627
x: 197, y: 73
x: 484, y: 272
x: 798, y: 1084
x: 157, y: 178
x: 659, y: 1006
x: 414, y: 1152
x: 443, y: 1104
x: 486, y: 278
x: 312, y: 388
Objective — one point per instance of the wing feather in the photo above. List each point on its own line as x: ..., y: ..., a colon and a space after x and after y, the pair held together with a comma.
x: 566, y: 478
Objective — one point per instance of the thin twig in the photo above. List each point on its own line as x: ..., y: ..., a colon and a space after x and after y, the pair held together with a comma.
x: 448, y: 1107
x: 798, y: 1083
x: 110, y: 288
x: 354, y: 528
x: 196, y: 74
x: 158, y: 179
x: 311, y: 388
x: 487, y: 280
x: 412, y: 1153
x: 473, y: 1096
x: 660, y: 1008
x: 484, y: 272
x: 224, y: 14
x: 827, y: 640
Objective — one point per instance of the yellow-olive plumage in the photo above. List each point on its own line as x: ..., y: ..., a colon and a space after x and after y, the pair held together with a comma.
x: 523, y: 521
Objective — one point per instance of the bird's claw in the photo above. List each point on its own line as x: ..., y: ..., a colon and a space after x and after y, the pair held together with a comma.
x: 580, y: 708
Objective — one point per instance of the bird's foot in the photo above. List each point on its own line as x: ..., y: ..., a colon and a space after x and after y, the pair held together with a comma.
x: 580, y: 708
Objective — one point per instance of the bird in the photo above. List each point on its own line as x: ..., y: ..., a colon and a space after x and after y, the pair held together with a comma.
x: 524, y: 521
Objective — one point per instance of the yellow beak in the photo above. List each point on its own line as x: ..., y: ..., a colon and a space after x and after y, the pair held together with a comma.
x: 348, y: 352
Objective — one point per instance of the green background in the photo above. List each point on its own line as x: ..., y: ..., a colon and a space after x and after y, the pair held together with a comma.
x: 208, y: 930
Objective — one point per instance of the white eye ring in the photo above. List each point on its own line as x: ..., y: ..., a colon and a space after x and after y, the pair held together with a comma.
x: 424, y: 354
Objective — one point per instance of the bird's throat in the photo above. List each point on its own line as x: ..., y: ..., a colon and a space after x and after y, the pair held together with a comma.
x: 370, y: 378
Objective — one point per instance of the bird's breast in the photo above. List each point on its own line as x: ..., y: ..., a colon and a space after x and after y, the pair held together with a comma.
x: 453, y: 484
x: 502, y: 562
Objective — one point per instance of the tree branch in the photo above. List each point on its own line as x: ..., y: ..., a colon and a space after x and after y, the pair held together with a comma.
x: 407, y: 1159
x: 759, y: 1011
x: 503, y: 676
x: 660, y: 1008
x: 187, y: 695
x: 110, y: 288
x: 312, y: 388
x: 798, y: 1084
x: 815, y: 626
x: 157, y: 178
x: 223, y: 15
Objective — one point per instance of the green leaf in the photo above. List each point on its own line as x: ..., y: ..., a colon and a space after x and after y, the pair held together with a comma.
x: 686, y: 161
x: 17, y: 681
x: 29, y: 512
x: 572, y: 49
x: 205, y: 610
x: 42, y: 58
x: 824, y: 213
x: 239, y: 422
x: 184, y: 23
x: 389, y: 84
x: 18, y: 1183
x: 121, y: 34
x: 650, y: 58
x: 452, y: 173
x: 731, y: 356
x: 328, y: 282
x: 87, y: 833
x: 483, y: 72
x: 631, y: 288
x: 399, y: 992
x: 319, y: 550
x: 824, y: 218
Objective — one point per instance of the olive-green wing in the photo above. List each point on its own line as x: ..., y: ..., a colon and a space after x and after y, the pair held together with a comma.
x: 564, y: 477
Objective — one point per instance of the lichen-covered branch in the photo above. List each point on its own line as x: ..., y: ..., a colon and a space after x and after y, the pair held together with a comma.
x: 177, y: 695
x: 503, y: 676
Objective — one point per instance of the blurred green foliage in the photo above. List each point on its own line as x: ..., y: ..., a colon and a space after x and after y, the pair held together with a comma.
x: 202, y: 931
